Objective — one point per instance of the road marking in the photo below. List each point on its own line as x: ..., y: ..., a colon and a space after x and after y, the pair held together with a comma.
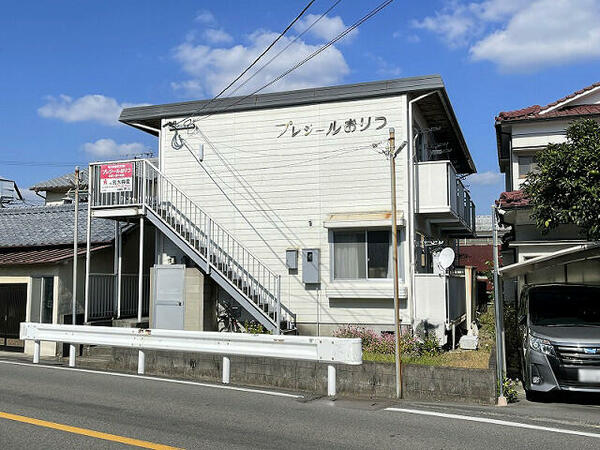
x: 84, y: 431
x: 167, y: 380
x: 495, y: 422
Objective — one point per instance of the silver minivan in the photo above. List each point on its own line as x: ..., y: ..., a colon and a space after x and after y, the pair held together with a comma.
x: 559, y: 334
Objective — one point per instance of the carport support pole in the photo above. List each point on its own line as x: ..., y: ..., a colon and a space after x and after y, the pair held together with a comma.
x: 141, y: 362
x: 226, y: 369
x: 331, y: 388
x: 36, y: 352
x: 498, y: 313
x: 141, y: 271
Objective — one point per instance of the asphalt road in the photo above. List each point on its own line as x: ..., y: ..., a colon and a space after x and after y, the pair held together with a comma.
x: 202, y: 416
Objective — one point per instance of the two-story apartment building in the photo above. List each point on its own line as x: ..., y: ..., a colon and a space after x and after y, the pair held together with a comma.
x: 282, y: 201
x: 520, y: 135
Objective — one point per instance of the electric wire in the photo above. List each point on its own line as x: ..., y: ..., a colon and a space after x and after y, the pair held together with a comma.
x: 286, y: 47
x: 373, y: 12
x: 341, y: 35
x: 253, y: 62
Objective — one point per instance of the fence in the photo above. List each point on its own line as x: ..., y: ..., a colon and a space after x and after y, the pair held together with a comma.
x: 103, y: 296
x: 307, y: 348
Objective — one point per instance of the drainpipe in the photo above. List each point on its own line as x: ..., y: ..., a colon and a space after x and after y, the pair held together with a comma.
x: 410, y: 222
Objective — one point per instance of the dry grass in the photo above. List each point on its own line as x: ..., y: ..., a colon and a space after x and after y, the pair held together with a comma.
x: 468, y: 359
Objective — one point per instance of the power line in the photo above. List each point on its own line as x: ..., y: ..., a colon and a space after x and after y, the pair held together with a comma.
x: 286, y: 47
x: 40, y: 163
x: 341, y: 35
x: 255, y: 61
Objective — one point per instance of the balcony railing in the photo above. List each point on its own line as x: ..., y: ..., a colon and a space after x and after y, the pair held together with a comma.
x: 440, y: 192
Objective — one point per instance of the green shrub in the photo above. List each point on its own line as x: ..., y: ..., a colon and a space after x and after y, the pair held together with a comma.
x: 510, y: 390
x: 253, y: 327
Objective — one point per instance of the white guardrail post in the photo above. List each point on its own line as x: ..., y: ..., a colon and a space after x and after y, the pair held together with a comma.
x: 321, y: 349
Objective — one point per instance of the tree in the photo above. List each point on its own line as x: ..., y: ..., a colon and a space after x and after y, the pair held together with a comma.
x: 566, y: 187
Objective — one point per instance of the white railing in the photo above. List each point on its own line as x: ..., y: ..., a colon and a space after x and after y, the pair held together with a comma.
x: 307, y: 348
x: 223, y: 253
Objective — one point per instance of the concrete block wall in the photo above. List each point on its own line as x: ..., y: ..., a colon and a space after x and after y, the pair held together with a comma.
x: 369, y: 380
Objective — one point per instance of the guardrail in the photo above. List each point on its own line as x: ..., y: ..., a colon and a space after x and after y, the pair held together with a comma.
x: 309, y: 348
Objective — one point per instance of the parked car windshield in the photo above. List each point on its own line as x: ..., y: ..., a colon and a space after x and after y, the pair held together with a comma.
x: 564, y: 306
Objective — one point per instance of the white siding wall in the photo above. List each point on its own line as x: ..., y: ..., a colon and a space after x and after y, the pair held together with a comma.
x: 528, y: 138
x: 297, y: 180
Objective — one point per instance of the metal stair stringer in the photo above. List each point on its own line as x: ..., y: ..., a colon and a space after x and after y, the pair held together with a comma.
x: 201, y: 261
x: 221, y: 256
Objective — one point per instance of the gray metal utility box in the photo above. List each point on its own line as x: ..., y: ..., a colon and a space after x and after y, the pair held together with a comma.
x: 168, y: 305
x: 291, y: 259
x: 310, y: 265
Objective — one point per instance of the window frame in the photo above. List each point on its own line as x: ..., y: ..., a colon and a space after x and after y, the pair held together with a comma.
x: 365, y: 231
x: 531, y: 157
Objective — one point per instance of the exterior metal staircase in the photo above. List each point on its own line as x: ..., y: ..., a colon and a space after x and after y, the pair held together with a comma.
x: 235, y: 269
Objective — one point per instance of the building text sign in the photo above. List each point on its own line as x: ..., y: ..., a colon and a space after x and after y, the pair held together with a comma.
x: 116, y: 177
x: 351, y: 125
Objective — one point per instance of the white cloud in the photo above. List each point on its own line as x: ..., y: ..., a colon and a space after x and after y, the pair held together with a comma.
x: 546, y: 33
x: 217, y: 36
x: 326, y: 28
x: 520, y: 35
x: 488, y: 178
x: 205, y: 17
x: 97, y: 108
x: 454, y: 23
x: 211, y: 68
x: 108, y: 148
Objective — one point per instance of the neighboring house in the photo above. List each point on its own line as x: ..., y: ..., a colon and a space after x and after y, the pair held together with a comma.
x: 59, y: 190
x: 9, y: 192
x: 36, y: 268
x: 281, y: 202
x: 520, y: 135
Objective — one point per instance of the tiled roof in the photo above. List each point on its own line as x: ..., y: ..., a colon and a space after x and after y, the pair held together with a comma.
x: 49, y: 225
x: 512, y: 199
x: 41, y: 255
x: 533, y: 112
x: 63, y: 182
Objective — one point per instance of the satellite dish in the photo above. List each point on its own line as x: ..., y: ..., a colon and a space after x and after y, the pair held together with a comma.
x: 446, y: 257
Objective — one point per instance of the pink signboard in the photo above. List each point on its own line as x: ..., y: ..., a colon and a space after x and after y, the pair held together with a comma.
x: 116, y: 177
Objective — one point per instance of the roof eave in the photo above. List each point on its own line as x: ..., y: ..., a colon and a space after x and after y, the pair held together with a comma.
x: 149, y: 115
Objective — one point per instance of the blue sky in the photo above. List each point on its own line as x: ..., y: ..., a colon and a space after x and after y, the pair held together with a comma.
x: 69, y: 66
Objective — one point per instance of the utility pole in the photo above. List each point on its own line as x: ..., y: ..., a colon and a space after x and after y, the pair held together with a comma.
x: 392, y: 155
x: 75, y: 251
x: 499, y: 311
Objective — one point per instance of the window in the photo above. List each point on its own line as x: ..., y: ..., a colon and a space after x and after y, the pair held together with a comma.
x: 42, y: 299
x: 526, y: 164
x: 364, y: 254
x: 47, y: 299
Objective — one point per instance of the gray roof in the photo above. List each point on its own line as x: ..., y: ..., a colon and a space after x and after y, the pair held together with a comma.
x: 62, y: 183
x: 436, y: 109
x: 9, y: 190
x: 49, y: 225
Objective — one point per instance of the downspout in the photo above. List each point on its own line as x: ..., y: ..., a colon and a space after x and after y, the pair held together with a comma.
x: 410, y: 222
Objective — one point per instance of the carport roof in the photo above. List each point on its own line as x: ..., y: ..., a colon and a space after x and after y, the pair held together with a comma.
x: 566, y: 256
